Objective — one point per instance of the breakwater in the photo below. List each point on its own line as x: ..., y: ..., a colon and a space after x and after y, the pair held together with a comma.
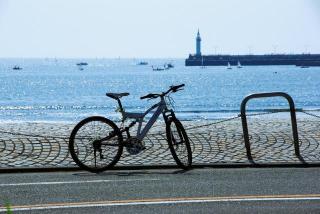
x: 252, y: 60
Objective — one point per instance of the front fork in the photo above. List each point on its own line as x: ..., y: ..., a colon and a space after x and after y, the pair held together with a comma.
x: 167, y: 115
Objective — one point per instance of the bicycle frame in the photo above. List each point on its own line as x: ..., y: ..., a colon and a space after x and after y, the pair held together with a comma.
x: 160, y: 107
x: 104, y: 143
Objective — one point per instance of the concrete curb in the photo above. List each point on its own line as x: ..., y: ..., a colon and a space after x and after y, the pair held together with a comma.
x: 196, y: 166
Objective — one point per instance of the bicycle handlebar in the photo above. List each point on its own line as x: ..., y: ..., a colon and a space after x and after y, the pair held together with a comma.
x: 173, y: 88
x: 151, y: 96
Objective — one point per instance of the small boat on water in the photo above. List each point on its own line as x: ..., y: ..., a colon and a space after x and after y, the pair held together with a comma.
x: 142, y: 63
x: 168, y: 66
x: 304, y: 66
x: 239, y: 65
x: 16, y: 68
x: 82, y: 63
x: 229, y: 66
x: 158, y: 68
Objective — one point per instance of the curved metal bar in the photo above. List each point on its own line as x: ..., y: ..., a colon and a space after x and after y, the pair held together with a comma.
x: 292, y: 113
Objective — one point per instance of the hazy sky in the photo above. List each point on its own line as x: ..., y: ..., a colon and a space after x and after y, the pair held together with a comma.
x: 156, y: 28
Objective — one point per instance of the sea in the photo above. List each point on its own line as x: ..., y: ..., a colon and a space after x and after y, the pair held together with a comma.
x: 58, y: 90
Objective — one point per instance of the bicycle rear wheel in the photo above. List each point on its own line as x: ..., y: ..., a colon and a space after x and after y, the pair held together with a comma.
x: 179, y: 143
x: 95, y: 144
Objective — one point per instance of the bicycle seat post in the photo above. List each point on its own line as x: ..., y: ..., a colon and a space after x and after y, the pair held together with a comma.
x: 117, y: 97
x: 121, y: 109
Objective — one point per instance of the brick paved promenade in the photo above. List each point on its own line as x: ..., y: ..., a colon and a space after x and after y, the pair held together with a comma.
x: 46, y: 144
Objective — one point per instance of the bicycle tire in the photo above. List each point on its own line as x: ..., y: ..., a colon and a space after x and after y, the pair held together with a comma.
x: 175, y: 130
x: 81, y: 144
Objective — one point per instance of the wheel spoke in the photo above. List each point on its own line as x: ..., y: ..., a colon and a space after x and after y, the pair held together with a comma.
x: 95, y: 158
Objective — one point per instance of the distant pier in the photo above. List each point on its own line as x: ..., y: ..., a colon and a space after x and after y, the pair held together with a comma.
x: 302, y: 60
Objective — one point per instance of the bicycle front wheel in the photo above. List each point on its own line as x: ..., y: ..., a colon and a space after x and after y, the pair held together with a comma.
x: 179, y: 143
x: 95, y: 144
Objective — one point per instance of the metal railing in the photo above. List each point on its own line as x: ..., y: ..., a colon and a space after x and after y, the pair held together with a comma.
x: 292, y: 113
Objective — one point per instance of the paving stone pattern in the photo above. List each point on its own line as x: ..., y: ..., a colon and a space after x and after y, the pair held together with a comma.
x: 46, y: 144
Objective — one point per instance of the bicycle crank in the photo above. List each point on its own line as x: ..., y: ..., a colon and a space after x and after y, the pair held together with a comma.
x: 134, y: 146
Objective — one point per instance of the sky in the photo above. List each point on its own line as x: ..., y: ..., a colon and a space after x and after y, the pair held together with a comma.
x: 156, y: 28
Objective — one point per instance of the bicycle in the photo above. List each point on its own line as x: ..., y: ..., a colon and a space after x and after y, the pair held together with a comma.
x: 96, y: 143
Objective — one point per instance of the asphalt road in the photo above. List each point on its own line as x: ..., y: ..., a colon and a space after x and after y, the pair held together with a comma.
x: 242, y: 190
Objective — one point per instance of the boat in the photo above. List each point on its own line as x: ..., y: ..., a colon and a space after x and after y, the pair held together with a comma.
x: 82, y: 63
x: 304, y: 66
x: 16, y: 68
x: 229, y: 66
x: 168, y: 66
x: 239, y: 65
x: 158, y: 68
x: 142, y: 63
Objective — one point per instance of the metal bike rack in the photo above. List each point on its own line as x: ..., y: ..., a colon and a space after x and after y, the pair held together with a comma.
x: 292, y: 113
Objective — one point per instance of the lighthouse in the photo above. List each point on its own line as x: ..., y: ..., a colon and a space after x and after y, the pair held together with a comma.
x: 198, y: 44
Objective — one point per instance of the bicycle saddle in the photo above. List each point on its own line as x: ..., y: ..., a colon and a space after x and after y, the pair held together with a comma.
x: 116, y: 95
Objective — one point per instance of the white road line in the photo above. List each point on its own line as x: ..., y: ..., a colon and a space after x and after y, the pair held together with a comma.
x: 74, y: 182
x: 155, y: 202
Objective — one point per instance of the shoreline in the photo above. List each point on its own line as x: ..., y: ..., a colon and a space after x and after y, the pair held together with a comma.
x: 50, y: 128
x: 198, y: 118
